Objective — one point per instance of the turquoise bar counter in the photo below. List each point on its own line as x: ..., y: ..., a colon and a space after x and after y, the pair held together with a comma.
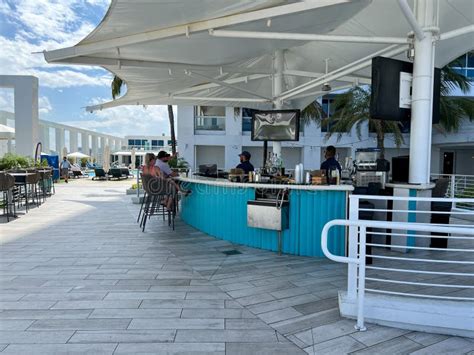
x: 219, y: 208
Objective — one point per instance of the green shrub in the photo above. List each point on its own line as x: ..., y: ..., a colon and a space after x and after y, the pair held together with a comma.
x: 83, y: 162
x: 178, y: 163
x: 14, y: 161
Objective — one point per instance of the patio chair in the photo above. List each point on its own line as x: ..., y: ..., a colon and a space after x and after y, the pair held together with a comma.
x: 156, y: 191
x: 100, y: 174
x: 115, y: 173
x: 126, y: 173
x: 7, y: 184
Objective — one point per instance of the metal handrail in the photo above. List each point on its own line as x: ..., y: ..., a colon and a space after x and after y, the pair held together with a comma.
x: 359, y: 260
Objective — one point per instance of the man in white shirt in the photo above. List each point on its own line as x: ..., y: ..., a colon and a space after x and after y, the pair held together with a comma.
x: 162, y: 163
x: 64, y: 169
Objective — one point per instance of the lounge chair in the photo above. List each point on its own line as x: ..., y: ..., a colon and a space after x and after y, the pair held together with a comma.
x: 126, y: 173
x: 115, y: 173
x: 100, y: 174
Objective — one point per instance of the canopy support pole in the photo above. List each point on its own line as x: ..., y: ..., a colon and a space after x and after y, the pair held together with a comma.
x: 278, y: 82
x: 422, y: 97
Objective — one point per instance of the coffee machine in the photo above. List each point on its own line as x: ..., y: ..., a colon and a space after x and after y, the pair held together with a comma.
x: 370, y: 167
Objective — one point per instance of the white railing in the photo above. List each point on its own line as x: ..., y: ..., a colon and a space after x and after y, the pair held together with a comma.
x: 454, y: 261
x: 460, y: 186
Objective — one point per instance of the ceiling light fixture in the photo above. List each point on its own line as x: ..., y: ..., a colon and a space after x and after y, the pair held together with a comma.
x: 326, y: 86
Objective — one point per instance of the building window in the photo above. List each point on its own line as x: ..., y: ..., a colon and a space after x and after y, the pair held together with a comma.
x: 154, y: 143
x: 161, y: 143
x: 131, y: 142
x: 170, y: 142
x: 209, y: 118
x: 247, y: 114
x: 464, y: 64
x: 328, y: 107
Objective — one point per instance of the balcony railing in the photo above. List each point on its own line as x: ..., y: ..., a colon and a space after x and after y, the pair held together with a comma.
x: 209, y: 123
x: 407, y: 259
x: 460, y: 186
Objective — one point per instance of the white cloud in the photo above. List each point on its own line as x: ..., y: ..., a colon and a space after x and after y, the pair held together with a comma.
x: 47, y: 24
x: 44, y: 105
x: 126, y: 120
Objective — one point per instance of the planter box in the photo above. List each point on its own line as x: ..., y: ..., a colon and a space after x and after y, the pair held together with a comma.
x: 134, y: 192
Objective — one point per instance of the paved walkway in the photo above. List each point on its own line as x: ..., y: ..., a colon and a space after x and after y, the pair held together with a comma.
x: 78, y: 276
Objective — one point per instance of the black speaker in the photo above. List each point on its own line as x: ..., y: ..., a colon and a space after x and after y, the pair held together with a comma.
x: 385, y: 97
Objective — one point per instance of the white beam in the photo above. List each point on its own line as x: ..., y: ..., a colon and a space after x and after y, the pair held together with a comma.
x: 241, y: 79
x: 230, y: 86
x: 457, y: 32
x: 306, y: 37
x: 408, y: 13
x: 348, y: 78
x: 131, y: 63
x: 188, y: 29
x: 343, y: 71
x: 322, y: 93
x: 204, y: 98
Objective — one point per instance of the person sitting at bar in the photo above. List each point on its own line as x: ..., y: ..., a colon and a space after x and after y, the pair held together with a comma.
x: 330, y: 163
x: 150, y: 168
x: 245, y: 164
x: 162, y: 163
x: 166, y: 172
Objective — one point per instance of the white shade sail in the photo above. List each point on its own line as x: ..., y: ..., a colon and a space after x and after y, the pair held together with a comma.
x: 78, y: 155
x: 219, y: 52
x: 7, y: 132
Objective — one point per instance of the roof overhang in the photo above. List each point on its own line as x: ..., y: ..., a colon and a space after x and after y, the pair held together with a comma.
x: 219, y: 52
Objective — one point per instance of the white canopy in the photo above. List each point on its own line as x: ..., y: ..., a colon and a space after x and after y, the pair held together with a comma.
x: 78, y: 155
x: 7, y: 132
x: 219, y: 52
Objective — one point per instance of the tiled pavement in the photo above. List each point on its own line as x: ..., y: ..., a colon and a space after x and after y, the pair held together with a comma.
x: 78, y: 276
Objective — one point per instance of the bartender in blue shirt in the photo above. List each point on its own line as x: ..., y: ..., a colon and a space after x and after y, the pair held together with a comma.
x: 245, y: 164
x: 330, y: 163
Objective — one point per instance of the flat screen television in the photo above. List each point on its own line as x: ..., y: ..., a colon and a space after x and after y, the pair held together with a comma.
x: 276, y: 125
x: 386, y: 87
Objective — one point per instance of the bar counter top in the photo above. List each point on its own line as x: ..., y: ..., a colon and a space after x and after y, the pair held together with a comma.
x: 227, y: 183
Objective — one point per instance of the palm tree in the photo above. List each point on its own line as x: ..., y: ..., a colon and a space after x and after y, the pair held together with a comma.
x: 352, y: 109
x: 116, y: 87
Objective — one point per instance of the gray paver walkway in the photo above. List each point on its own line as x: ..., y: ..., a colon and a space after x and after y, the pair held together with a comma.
x: 78, y: 276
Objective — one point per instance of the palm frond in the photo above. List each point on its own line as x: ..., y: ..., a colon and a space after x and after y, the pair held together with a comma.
x: 116, y: 86
x: 312, y: 113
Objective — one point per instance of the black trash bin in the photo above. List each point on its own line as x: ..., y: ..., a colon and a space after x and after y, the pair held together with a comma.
x: 439, y: 191
x: 440, y: 218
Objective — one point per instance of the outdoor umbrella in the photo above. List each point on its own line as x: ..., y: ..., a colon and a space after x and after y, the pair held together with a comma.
x: 77, y: 155
x: 133, y: 158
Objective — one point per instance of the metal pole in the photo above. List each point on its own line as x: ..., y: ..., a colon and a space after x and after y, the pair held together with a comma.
x: 278, y: 61
x: 361, y: 289
x: 422, y: 99
x: 352, y: 249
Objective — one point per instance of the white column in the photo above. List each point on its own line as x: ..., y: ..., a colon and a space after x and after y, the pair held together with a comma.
x: 73, y: 140
x: 422, y: 97
x: 9, y: 146
x: 94, y: 146
x: 85, y: 143
x: 59, y: 140
x: 26, y: 115
x: 278, y: 60
x: 45, y: 138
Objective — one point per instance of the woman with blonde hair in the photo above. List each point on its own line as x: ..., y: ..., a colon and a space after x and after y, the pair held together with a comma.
x: 149, y: 168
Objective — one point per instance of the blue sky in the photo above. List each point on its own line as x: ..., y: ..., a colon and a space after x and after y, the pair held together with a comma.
x: 28, y: 26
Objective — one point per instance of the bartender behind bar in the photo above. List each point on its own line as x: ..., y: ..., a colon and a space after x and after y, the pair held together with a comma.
x: 245, y: 164
x: 330, y: 163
